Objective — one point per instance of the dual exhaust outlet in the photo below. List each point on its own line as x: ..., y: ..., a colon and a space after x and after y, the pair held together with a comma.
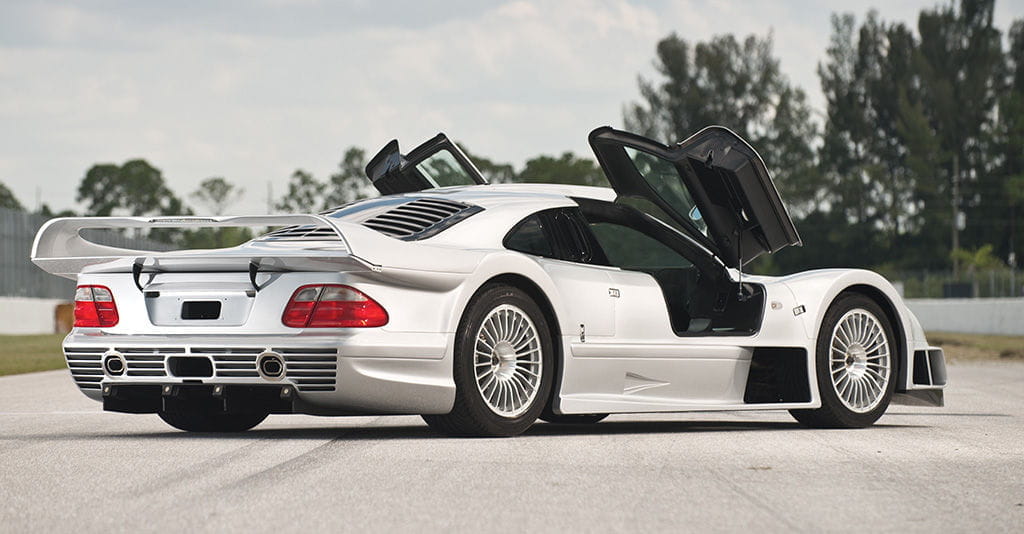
x: 270, y: 365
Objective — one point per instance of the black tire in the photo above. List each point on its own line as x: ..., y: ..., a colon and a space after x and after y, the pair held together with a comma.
x: 833, y: 412
x: 471, y: 414
x: 573, y: 419
x: 205, y: 422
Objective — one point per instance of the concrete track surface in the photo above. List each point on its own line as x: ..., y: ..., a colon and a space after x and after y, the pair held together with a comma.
x: 67, y: 466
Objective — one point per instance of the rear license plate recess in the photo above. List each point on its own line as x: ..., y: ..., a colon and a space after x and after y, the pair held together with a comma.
x: 200, y: 310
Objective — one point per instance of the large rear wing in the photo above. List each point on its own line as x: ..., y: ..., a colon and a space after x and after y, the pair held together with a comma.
x: 60, y: 248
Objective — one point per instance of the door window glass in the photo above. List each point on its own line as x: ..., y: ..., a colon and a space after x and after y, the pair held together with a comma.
x: 664, y: 179
x: 628, y: 248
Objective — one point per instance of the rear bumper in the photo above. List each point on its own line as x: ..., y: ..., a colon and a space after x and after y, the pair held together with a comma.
x: 367, y: 372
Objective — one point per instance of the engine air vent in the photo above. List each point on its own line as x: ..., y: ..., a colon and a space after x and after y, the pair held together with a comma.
x: 306, y: 232
x: 420, y: 218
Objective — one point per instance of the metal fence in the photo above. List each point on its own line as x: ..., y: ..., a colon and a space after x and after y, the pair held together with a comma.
x: 20, y: 278
x: 994, y: 283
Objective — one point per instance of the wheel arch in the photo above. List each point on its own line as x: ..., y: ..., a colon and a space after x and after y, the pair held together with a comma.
x: 819, y: 289
x: 535, y: 292
x: 889, y: 308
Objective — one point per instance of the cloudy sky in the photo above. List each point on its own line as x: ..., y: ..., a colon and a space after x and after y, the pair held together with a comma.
x: 252, y: 90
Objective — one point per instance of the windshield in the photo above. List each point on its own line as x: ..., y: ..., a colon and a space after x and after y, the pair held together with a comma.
x: 664, y: 179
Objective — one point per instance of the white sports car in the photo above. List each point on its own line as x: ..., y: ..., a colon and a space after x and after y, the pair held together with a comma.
x: 483, y: 307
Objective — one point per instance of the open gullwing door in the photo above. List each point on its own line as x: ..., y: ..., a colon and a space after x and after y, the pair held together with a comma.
x: 713, y: 185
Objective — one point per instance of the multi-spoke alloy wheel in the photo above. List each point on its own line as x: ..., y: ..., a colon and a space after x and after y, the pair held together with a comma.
x: 860, y: 359
x: 503, y: 368
x: 855, y: 361
x: 508, y: 360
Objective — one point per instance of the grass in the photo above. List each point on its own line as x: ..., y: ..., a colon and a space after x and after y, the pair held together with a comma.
x: 27, y: 354
x: 969, y: 347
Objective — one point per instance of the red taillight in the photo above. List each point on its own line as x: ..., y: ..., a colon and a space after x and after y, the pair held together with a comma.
x: 95, y: 307
x: 332, y: 306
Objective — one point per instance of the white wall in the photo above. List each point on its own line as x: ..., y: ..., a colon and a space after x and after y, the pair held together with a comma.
x: 970, y: 316
x: 20, y: 315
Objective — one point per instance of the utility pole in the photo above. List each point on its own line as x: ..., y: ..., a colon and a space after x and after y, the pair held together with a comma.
x: 955, y: 224
x: 270, y: 197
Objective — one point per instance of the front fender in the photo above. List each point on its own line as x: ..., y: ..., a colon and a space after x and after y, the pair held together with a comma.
x: 817, y: 290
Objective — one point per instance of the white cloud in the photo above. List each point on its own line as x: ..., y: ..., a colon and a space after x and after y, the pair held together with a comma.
x: 253, y: 92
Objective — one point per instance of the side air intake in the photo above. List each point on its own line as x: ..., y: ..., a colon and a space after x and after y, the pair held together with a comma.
x: 420, y: 218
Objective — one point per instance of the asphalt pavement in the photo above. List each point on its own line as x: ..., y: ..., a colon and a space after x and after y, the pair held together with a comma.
x: 67, y: 466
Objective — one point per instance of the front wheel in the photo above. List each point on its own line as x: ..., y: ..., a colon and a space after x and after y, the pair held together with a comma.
x: 503, y: 366
x: 855, y: 362
x: 206, y: 422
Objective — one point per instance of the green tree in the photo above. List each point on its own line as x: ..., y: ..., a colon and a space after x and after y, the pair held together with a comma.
x: 48, y: 212
x: 349, y: 182
x: 877, y: 156
x: 205, y: 238
x: 1008, y: 146
x: 305, y: 194
x: 566, y: 169
x: 738, y: 85
x: 960, y: 63
x: 216, y: 194
x: 980, y: 259
x: 493, y: 172
x: 135, y: 188
x: 7, y: 199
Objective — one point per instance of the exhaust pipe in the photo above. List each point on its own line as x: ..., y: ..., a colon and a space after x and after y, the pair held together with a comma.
x: 270, y: 365
x: 114, y: 364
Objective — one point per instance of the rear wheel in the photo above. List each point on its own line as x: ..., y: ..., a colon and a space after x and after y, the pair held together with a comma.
x: 206, y: 422
x: 855, y: 362
x: 503, y: 366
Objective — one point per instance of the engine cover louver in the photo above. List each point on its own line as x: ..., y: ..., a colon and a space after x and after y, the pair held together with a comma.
x: 306, y: 232
x: 420, y: 218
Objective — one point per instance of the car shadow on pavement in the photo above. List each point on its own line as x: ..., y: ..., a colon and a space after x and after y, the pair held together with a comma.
x: 949, y: 414
x: 675, y: 427
x: 422, y: 432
